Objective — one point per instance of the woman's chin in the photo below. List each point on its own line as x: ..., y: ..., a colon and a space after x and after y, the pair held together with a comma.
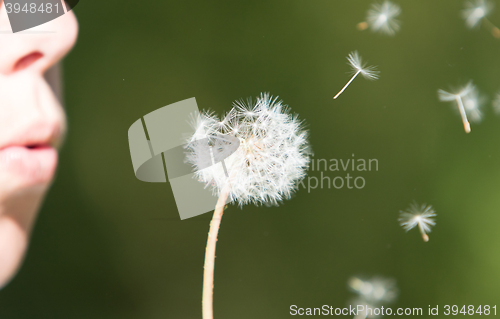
x: 18, y: 209
x: 13, y: 243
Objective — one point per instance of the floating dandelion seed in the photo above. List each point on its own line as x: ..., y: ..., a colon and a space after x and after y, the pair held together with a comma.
x: 476, y: 11
x: 382, y: 18
x: 265, y: 169
x: 468, y: 94
x: 372, y: 293
x: 377, y: 290
x: 473, y: 103
x: 358, y: 67
x: 421, y: 215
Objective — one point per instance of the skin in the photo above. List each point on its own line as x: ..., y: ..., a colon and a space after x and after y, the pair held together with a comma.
x: 32, y: 126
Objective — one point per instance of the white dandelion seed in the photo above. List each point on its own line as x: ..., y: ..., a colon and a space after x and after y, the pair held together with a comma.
x: 418, y: 215
x: 382, y: 18
x: 377, y: 290
x: 473, y: 103
x: 357, y: 65
x: 466, y: 93
x: 272, y: 158
x: 372, y: 293
x: 476, y: 11
x: 496, y: 104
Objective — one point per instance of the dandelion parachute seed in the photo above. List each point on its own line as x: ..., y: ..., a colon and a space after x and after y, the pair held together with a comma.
x: 377, y: 290
x: 382, y: 18
x: 468, y: 102
x: 473, y: 103
x: 475, y: 12
x: 372, y: 293
x: 357, y: 65
x: 418, y: 215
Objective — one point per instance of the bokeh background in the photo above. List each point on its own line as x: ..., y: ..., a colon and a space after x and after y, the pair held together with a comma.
x: 109, y: 246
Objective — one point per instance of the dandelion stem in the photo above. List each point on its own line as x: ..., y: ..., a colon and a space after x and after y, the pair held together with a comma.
x: 495, y: 31
x: 208, y: 272
x: 463, y: 115
x: 345, y: 86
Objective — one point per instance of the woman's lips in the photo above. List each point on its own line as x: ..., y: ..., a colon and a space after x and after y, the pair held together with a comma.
x: 28, y: 165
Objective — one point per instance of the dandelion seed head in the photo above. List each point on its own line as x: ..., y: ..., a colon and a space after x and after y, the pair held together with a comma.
x: 418, y: 215
x: 357, y: 65
x: 272, y: 157
x: 475, y: 11
x: 382, y: 17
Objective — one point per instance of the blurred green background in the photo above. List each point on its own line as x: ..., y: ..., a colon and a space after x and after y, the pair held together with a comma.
x: 107, y: 245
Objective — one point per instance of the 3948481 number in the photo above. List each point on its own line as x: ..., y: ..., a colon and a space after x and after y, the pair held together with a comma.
x: 32, y: 8
x: 470, y: 310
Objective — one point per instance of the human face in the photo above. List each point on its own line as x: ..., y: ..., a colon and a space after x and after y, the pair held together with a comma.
x: 32, y: 125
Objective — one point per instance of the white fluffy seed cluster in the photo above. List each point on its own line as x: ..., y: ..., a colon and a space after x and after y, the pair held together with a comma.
x: 418, y: 215
x: 375, y: 292
x: 357, y: 65
x: 382, y: 17
x: 475, y: 11
x: 271, y: 160
x: 468, y: 100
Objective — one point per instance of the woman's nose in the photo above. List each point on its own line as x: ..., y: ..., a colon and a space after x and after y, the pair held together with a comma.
x: 38, y: 48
